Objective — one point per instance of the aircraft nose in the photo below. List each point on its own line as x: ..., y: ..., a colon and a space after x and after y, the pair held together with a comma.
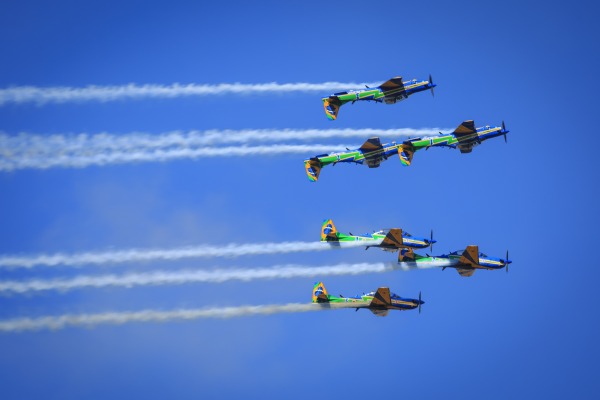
x: 432, y: 241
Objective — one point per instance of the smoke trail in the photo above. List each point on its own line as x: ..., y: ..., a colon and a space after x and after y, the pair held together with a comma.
x: 118, y: 157
x: 28, y: 143
x: 137, y: 255
x: 64, y: 94
x: 197, y: 276
x: 44, y: 151
x: 118, y: 318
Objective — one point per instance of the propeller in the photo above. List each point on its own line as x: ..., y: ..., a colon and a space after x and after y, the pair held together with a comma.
x: 431, y: 241
x: 505, y: 131
x: 431, y: 83
x: 420, y: 303
x: 506, y: 262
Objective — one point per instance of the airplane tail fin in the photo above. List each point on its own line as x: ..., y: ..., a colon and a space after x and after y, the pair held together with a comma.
x: 328, y: 231
x: 332, y: 106
x: 313, y: 169
x: 406, y: 254
x: 406, y: 152
x: 319, y: 293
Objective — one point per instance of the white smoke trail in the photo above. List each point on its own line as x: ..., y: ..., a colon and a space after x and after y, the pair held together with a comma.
x: 44, y: 151
x: 178, y: 253
x: 196, y: 276
x: 118, y: 318
x: 64, y: 94
x: 118, y: 157
x: 28, y: 143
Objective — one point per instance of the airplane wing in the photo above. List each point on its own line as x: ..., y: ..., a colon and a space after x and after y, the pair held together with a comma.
x: 465, y: 272
x: 470, y: 256
x: 465, y: 131
x: 393, y: 239
x: 382, y: 297
x: 368, y: 148
x: 393, y: 85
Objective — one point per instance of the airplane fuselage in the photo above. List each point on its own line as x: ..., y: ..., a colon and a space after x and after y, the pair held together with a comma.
x: 375, y: 239
x: 357, y: 156
x: 449, y: 140
x: 377, y: 94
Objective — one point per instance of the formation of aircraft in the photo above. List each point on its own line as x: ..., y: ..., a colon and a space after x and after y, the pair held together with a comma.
x: 372, y: 152
x: 388, y: 239
x: 389, y: 92
x: 464, y: 261
x: 379, y: 302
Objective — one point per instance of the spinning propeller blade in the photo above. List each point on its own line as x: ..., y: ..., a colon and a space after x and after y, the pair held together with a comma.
x: 420, y: 303
x: 506, y: 262
x: 431, y: 82
x: 504, y: 130
x: 431, y: 241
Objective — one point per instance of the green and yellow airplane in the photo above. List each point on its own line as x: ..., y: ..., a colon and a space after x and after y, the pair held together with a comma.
x: 372, y: 153
x: 387, y: 239
x: 466, y: 261
x: 389, y: 92
x: 379, y: 302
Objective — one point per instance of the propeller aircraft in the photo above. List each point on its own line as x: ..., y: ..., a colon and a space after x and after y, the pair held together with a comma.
x: 464, y: 261
x: 372, y: 152
x: 464, y: 138
x: 379, y: 302
x: 387, y: 239
x: 389, y: 92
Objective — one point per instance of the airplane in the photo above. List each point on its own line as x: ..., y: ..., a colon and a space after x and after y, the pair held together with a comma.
x: 464, y: 261
x: 464, y: 138
x: 372, y: 152
x: 379, y: 302
x: 387, y: 239
x: 389, y: 92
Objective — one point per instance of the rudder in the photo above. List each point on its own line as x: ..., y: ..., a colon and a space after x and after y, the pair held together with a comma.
x: 328, y: 231
x: 319, y: 293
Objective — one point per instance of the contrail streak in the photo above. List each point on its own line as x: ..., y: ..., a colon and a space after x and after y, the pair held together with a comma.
x: 64, y: 94
x: 196, y: 276
x: 118, y: 157
x: 85, y: 142
x: 27, y: 150
x: 118, y: 318
x: 178, y: 253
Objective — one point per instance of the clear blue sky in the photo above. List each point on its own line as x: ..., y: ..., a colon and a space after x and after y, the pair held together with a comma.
x: 531, y: 333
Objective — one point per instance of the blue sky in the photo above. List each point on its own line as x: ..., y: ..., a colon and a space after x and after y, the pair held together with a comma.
x: 532, y: 332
